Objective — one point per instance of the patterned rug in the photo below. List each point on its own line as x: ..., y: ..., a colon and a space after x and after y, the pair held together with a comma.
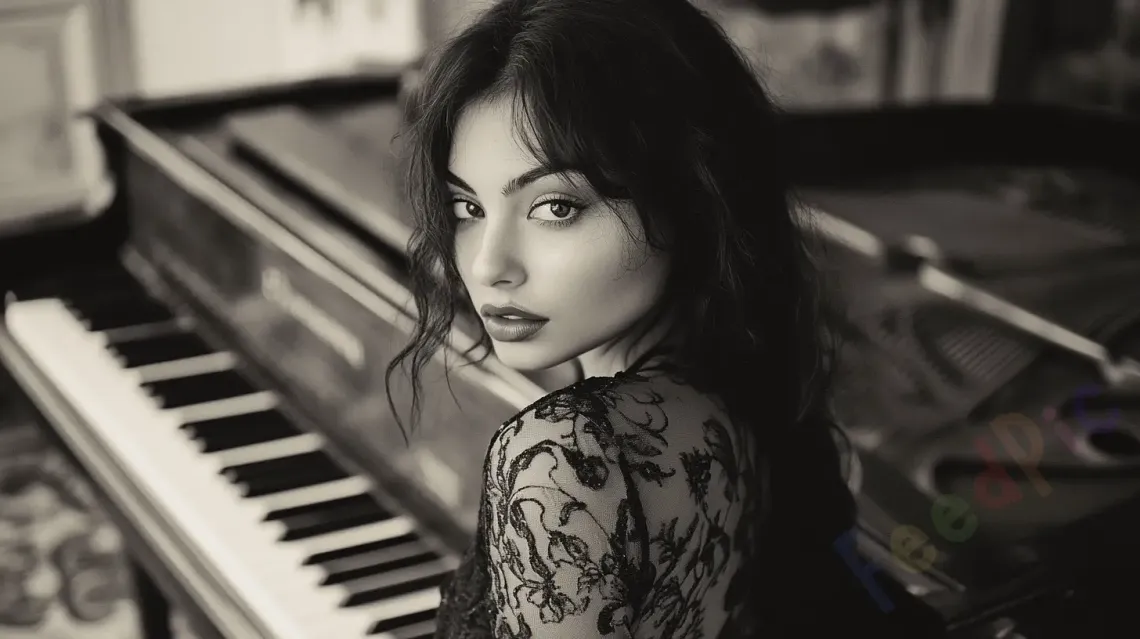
x: 63, y: 574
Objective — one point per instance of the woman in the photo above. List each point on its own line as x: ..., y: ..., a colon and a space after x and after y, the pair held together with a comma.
x: 601, y: 182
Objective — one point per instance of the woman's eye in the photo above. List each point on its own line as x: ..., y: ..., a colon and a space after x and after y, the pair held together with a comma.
x: 555, y: 210
x: 466, y: 209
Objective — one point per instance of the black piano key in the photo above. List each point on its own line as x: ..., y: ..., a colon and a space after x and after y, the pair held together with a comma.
x: 404, y: 621
x: 373, y: 558
x: 284, y: 473
x: 119, y: 311
x: 418, y: 630
x: 100, y: 291
x: 392, y: 583
x: 342, y: 553
x: 197, y: 389
x: 89, y: 284
x: 272, y: 484
x: 161, y: 348
x: 304, y: 463
x: 225, y: 433
x: 331, y: 516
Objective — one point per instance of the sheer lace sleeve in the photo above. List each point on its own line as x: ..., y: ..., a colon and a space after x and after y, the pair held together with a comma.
x: 558, y: 524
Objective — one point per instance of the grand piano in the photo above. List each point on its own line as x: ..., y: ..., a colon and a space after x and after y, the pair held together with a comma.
x: 211, y: 352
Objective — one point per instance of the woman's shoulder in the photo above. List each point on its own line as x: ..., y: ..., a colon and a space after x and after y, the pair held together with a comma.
x: 635, y: 478
x: 600, y: 402
x: 644, y: 424
x: 562, y: 527
x: 595, y: 397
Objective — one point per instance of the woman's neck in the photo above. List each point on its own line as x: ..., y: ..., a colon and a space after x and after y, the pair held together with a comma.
x: 625, y: 354
x: 607, y: 360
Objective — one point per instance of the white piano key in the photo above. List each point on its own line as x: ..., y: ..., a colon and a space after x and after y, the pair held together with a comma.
x: 264, y: 451
x: 393, y: 578
x: 400, y: 605
x: 202, y: 364
x: 284, y: 595
x: 359, y: 535
x: 328, y: 491
x: 128, y: 333
x: 229, y: 407
x: 420, y: 629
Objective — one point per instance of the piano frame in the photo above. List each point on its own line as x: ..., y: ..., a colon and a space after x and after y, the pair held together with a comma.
x: 164, y: 565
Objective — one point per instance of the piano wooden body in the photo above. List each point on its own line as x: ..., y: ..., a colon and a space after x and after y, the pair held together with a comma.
x: 212, y: 353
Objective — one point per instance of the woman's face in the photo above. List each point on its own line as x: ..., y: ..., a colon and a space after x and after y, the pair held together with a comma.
x: 554, y: 271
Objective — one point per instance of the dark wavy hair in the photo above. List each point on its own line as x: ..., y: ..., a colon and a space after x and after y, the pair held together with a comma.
x: 650, y: 101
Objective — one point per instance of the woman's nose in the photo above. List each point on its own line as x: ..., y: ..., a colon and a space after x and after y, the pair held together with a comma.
x: 496, y: 261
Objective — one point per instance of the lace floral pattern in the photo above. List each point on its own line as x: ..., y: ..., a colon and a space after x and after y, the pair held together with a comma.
x: 616, y: 507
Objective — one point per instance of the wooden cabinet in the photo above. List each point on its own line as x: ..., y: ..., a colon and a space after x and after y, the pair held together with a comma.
x: 51, y: 168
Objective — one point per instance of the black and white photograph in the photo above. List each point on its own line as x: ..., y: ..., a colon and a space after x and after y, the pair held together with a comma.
x: 569, y: 319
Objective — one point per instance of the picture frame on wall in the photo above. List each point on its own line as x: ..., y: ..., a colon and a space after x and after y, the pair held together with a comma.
x: 52, y: 170
x: 324, y: 37
x: 811, y: 59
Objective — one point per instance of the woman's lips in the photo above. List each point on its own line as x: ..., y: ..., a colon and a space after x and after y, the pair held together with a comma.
x: 506, y: 329
x: 510, y: 323
x: 509, y: 312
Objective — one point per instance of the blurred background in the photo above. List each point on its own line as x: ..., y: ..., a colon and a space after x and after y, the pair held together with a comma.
x: 59, y: 57
x: 61, y: 574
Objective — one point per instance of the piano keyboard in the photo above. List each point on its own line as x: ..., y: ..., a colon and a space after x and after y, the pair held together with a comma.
x: 303, y: 542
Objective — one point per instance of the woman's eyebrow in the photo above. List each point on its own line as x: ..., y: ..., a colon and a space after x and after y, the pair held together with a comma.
x: 454, y: 180
x: 515, y: 184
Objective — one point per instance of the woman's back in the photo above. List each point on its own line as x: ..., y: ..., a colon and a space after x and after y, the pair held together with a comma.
x: 617, y: 506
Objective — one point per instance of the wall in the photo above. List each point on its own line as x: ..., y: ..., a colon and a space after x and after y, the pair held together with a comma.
x: 443, y: 17
x: 188, y: 46
x: 812, y: 59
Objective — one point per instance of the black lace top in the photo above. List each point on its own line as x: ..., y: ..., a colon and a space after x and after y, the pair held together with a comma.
x: 616, y: 507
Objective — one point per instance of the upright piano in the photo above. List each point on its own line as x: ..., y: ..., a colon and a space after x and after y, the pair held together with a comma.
x: 211, y: 352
